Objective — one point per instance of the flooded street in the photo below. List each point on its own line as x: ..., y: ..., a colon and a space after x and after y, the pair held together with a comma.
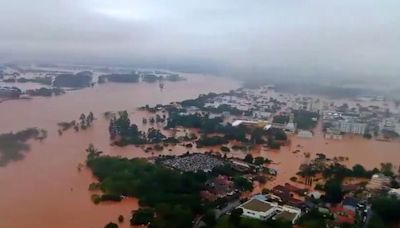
x: 45, y: 189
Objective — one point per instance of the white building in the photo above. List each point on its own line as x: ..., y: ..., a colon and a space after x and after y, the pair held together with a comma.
x: 290, y: 127
x: 351, y: 127
x: 333, y: 134
x: 261, y: 115
x: 378, y: 182
x: 390, y: 125
x: 258, y: 209
x: 305, y: 134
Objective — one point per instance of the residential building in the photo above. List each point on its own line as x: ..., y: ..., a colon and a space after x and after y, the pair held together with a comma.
x: 261, y: 115
x: 350, y: 203
x: 343, y: 215
x: 305, y: 134
x: 388, y: 124
x: 351, y: 126
x: 291, y: 126
x: 378, y: 182
x: 332, y: 133
x: 258, y: 209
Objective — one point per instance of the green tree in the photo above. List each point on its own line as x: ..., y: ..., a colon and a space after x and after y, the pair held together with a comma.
x: 235, y: 216
x: 242, y: 183
x: 387, y: 169
x: 209, y: 218
x: 376, y: 222
x: 82, y: 118
x: 257, y: 136
x: 259, y: 161
x: 123, y: 123
x: 248, y: 158
x: 333, y: 191
x: 281, y: 119
x: 280, y: 135
x: 387, y: 208
x: 143, y: 216
x: 359, y: 171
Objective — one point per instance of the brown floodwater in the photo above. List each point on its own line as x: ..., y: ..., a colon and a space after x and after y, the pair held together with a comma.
x: 45, y: 189
x: 369, y: 153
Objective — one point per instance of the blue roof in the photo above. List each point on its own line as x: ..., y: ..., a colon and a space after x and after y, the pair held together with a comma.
x: 349, y: 201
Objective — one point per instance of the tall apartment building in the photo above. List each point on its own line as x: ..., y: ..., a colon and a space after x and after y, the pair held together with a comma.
x: 352, y: 127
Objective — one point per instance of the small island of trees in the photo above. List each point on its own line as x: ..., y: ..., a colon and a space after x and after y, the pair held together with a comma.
x: 13, y: 145
x: 78, y: 80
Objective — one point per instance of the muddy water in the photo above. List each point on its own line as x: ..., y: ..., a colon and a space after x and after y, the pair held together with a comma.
x: 369, y: 153
x: 46, y: 189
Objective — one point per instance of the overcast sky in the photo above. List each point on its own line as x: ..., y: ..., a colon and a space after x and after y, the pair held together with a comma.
x: 352, y: 36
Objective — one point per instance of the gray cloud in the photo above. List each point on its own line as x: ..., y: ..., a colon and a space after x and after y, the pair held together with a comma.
x: 346, y: 37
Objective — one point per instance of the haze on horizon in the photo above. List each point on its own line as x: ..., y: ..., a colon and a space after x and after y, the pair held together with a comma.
x: 343, y: 38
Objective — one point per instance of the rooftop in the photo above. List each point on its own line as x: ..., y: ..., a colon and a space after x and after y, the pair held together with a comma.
x: 257, y: 205
x: 286, y: 215
x: 349, y: 201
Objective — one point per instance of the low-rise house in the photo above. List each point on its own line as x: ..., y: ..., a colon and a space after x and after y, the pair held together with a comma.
x: 305, y: 134
x: 220, y: 186
x: 295, y: 189
x: 350, y: 203
x: 378, y: 182
x: 334, y: 134
x: 343, y: 216
x: 309, y: 205
x: 352, y: 187
x: 290, y: 127
x: 315, y: 195
x: 285, y: 194
x: 258, y: 209
x: 388, y: 124
x: 261, y: 115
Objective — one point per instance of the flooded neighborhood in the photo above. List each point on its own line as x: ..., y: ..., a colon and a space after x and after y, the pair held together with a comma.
x: 54, y: 180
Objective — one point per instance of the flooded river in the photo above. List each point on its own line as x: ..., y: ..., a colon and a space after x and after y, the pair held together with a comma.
x: 46, y: 189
